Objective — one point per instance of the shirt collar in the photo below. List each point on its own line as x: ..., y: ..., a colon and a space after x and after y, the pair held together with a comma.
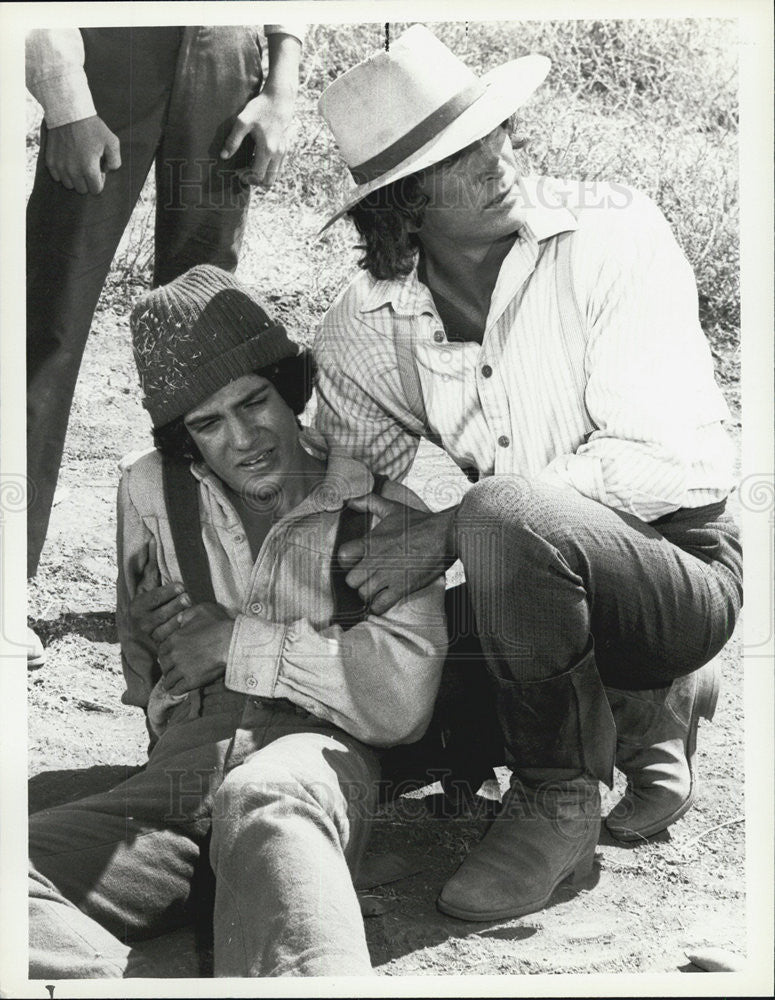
x: 546, y: 215
x: 345, y: 478
x: 408, y: 296
x: 544, y: 203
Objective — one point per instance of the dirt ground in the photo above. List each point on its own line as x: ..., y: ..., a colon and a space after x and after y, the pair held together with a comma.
x: 644, y: 907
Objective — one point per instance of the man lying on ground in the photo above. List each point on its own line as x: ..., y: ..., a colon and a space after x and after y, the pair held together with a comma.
x: 265, y: 697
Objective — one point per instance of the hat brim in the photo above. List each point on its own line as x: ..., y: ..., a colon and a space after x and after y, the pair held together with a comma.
x: 507, y: 87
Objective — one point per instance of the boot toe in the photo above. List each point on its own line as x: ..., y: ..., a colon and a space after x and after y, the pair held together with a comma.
x: 657, y: 795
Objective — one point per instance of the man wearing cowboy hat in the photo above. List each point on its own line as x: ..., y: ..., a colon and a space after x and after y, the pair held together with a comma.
x: 545, y: 335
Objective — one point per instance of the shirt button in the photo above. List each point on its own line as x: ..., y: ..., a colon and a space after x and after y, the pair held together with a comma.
x: 503, y: 441
x: 438, y: 336
x: 256, y: 608
x: 252, y: 681
x: 486, y: 371
x: 239, y: 538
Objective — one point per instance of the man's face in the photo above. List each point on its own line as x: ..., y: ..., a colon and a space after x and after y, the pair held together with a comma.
x: 248, y: 436
x: 472, y: 195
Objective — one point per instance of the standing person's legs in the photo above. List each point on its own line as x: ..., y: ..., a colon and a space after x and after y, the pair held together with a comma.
x: 72, y: 238
x: 289, y: 827
x: 118, y: 867
x: 201, y: 203
x: 565, y: 591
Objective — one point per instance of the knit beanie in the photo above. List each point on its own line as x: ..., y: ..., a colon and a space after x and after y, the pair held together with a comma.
x: 195, y: 335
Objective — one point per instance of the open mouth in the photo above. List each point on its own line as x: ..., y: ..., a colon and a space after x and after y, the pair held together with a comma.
x: 258, y: 460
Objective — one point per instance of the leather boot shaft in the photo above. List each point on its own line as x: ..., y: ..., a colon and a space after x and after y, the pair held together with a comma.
x: 563, y: 722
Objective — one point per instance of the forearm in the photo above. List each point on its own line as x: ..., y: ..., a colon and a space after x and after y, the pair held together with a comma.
x: 646, y: 479
x: 377, y: 680
x: 282, y: 80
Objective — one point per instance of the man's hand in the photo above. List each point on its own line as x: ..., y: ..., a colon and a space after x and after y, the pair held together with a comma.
x: 267, y: 117
x: 405, y: 552
x: 78, y: 155
x: 196, y: 653
x: 154, y: 609
x: 155, y: 612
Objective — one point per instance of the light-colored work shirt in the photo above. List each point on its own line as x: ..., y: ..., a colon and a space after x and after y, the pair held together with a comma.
x: 377, y: 680
x: 626, y: 411
x: 55, y: 76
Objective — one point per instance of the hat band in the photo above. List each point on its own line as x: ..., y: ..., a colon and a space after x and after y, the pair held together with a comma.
x: 417, y: 137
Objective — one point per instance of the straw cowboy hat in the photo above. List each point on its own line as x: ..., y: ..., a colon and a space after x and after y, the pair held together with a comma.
x: 403, y: 110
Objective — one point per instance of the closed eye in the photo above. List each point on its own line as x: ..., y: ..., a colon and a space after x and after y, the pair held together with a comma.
x: 202, y: 425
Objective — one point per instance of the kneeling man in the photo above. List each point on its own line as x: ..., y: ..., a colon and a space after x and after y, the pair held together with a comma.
x: 545, y: 335
x: 265, y: 696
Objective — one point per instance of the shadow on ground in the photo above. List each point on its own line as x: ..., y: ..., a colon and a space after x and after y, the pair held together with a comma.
x: 52, y: 788
x: 97, y: 626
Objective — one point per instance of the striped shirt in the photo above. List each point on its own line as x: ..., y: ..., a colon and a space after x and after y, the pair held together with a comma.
x: 603, y: 383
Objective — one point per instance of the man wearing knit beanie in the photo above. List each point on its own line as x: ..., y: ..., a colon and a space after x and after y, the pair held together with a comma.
x: 265, y: 700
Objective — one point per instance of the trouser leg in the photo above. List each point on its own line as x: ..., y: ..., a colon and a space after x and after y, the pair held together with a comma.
x: 71, y: 241
x: 289, y: 826
x: 64, y: 942
x: 105, y: 872
x: 564, y: 590
x: 123, y: 865
x: 201, y: 204
x: 550, y: 573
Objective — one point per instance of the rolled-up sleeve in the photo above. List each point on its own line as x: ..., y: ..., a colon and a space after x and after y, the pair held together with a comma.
x: 297, y: 29
x: 55, y: 75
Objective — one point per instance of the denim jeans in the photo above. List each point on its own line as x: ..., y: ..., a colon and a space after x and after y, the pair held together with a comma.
x: 170, y: 96
x: 284, y: 801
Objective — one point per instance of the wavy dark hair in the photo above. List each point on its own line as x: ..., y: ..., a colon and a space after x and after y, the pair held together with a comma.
x: 383, y: 219
x: 294, y: 380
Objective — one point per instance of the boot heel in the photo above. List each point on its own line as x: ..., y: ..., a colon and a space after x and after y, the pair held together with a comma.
x: 708, y: 707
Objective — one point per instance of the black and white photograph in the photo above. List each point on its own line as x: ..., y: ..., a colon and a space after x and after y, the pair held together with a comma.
x: 398, y: 383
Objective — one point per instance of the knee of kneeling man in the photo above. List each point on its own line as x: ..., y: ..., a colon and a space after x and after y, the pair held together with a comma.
x: 507, y: 520
x: 514, y: 502
x: 496, y: 498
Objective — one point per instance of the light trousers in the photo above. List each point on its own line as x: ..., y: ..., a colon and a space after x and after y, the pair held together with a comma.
x: 273, y: 802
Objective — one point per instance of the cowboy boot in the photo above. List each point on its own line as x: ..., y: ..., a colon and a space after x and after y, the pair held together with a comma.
x: 562, y: 731
x: 655, y: 748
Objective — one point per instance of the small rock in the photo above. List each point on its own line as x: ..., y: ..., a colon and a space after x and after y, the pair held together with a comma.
x: 715, y: 960
x: 374, y: 906
x: 93, y: 706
